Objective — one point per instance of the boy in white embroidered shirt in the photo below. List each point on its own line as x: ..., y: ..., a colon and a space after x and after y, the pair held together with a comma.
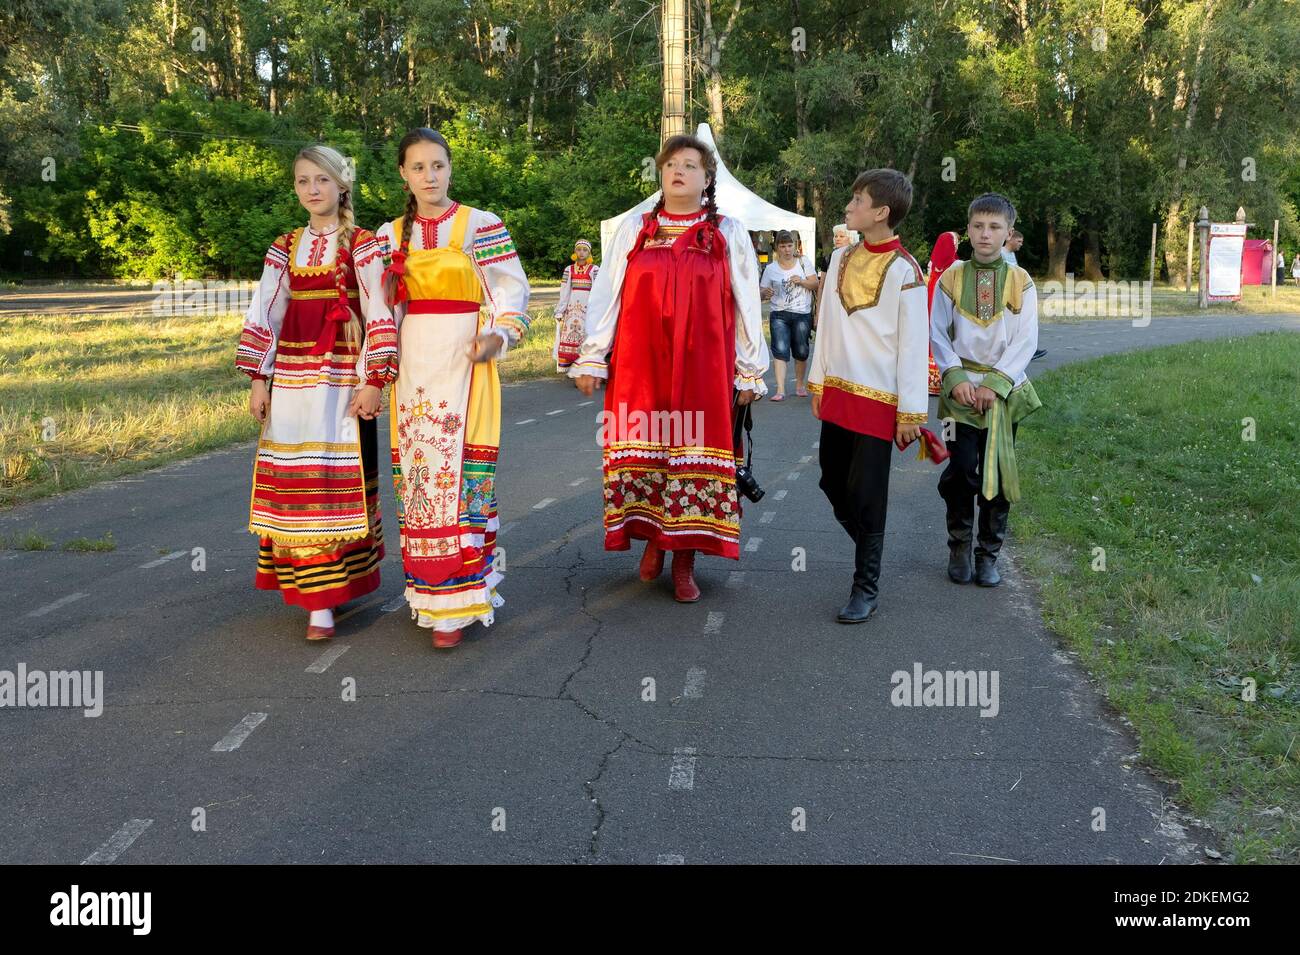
x: 869, y: 373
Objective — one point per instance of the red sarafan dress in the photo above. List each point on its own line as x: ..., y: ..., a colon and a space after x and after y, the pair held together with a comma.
x: 674, y: 323
x: 942, y: 256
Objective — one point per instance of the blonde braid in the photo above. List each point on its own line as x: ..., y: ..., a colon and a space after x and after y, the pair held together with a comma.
x: 352, y: 333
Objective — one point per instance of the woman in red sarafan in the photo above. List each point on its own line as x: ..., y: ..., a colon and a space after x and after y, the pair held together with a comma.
x: 674, y: 324
x: 942, y: 255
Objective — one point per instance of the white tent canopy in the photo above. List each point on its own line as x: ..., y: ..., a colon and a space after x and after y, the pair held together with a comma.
x: 756, y: 214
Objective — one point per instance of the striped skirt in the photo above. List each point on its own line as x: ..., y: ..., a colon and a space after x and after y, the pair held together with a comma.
x: 322, y: 576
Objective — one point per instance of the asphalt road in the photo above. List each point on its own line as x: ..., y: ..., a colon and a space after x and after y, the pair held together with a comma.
x: 533, y: 741
x: 90, y: 300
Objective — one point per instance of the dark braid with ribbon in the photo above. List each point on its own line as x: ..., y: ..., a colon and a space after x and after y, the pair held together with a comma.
x: 395, y: 275
x: 711, y: 204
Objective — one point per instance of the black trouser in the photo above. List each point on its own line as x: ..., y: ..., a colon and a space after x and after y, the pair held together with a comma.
x: 959, y: 486
x: 855, y: 478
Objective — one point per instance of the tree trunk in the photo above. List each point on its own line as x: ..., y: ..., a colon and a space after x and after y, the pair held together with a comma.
x: 169, y: 63
x: 713, y: 46
x: 1092, y: 254
x: 1058, y: 248
x: 924, y: 131
x: 532, y: 96
x: 800, y: 110
x: 1191, y: 93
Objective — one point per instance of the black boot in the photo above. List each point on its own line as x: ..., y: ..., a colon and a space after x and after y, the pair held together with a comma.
x: 993, y: 530
x: 961, y: 524
x: 866, y: 579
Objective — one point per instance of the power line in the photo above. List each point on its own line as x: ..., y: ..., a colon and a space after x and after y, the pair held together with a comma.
x: 197, y: 134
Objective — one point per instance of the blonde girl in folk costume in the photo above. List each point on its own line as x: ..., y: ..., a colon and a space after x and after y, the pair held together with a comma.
x: 318, y: 372
x: 460, y: 297
x: 571, y: 309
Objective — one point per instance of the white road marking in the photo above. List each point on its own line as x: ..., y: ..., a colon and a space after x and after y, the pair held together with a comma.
x: 668, y: 858
x: 119, y: 843
x: 682, y: 774
x: 527, y: 421
x: 694, y: 688
x: 583, y: 404
x: 544, y: 502
x: 792, y: 476
x: 397, y: 603
x: 235, y: 738
x: 751, y: 545
x: 805, y: 459
x: 817, y: 444
x: 767, y: 517
x: 735, y: 578
x: 61, y: 602
x: 556, y: 411
x: 502, y: 530
x: 714, y: 623
x: 162, y: 560
x: 329, y: 656
x: 577, y: 482
x: 780, y: 495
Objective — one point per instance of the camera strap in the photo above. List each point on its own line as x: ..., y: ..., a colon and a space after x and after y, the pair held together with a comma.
x: 743, y: 419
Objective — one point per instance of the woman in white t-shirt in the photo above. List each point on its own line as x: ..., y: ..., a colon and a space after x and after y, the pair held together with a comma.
x: 788, y: 283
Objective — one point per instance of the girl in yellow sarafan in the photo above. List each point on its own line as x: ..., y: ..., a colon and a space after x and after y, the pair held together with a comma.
x: 460, y: 298
x: 317, y: 380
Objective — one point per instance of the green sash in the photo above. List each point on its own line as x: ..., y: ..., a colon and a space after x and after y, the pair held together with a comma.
x: 1012, y: 405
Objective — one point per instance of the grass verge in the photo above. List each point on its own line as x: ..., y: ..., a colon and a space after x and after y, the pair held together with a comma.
x: 1160, y: 515
x: 87, y: 398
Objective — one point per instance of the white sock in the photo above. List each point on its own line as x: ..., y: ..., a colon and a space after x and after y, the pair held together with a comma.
x: 322, y: 618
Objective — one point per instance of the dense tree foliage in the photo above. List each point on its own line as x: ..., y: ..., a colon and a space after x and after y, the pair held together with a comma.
x: 152, y: 137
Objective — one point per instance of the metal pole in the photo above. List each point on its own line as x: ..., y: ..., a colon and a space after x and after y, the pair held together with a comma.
x: 1153, y: 254
x: 1273, y: 259
x: 1203, y: 280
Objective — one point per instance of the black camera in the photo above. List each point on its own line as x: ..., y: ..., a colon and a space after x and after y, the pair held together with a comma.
x: 747, y: 484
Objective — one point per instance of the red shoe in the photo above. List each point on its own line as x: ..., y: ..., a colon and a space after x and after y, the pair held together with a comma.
x: 652, y: 561
x: 684, y: 588
x: 446, y: 639
x: 319, y: 633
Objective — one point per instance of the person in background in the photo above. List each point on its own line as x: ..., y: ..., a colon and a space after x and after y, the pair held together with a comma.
x: 1015, y: 239
x: 1281, y: 267
x: 788, y: 283
x: 1295, y: 268
x: 571, y: 309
